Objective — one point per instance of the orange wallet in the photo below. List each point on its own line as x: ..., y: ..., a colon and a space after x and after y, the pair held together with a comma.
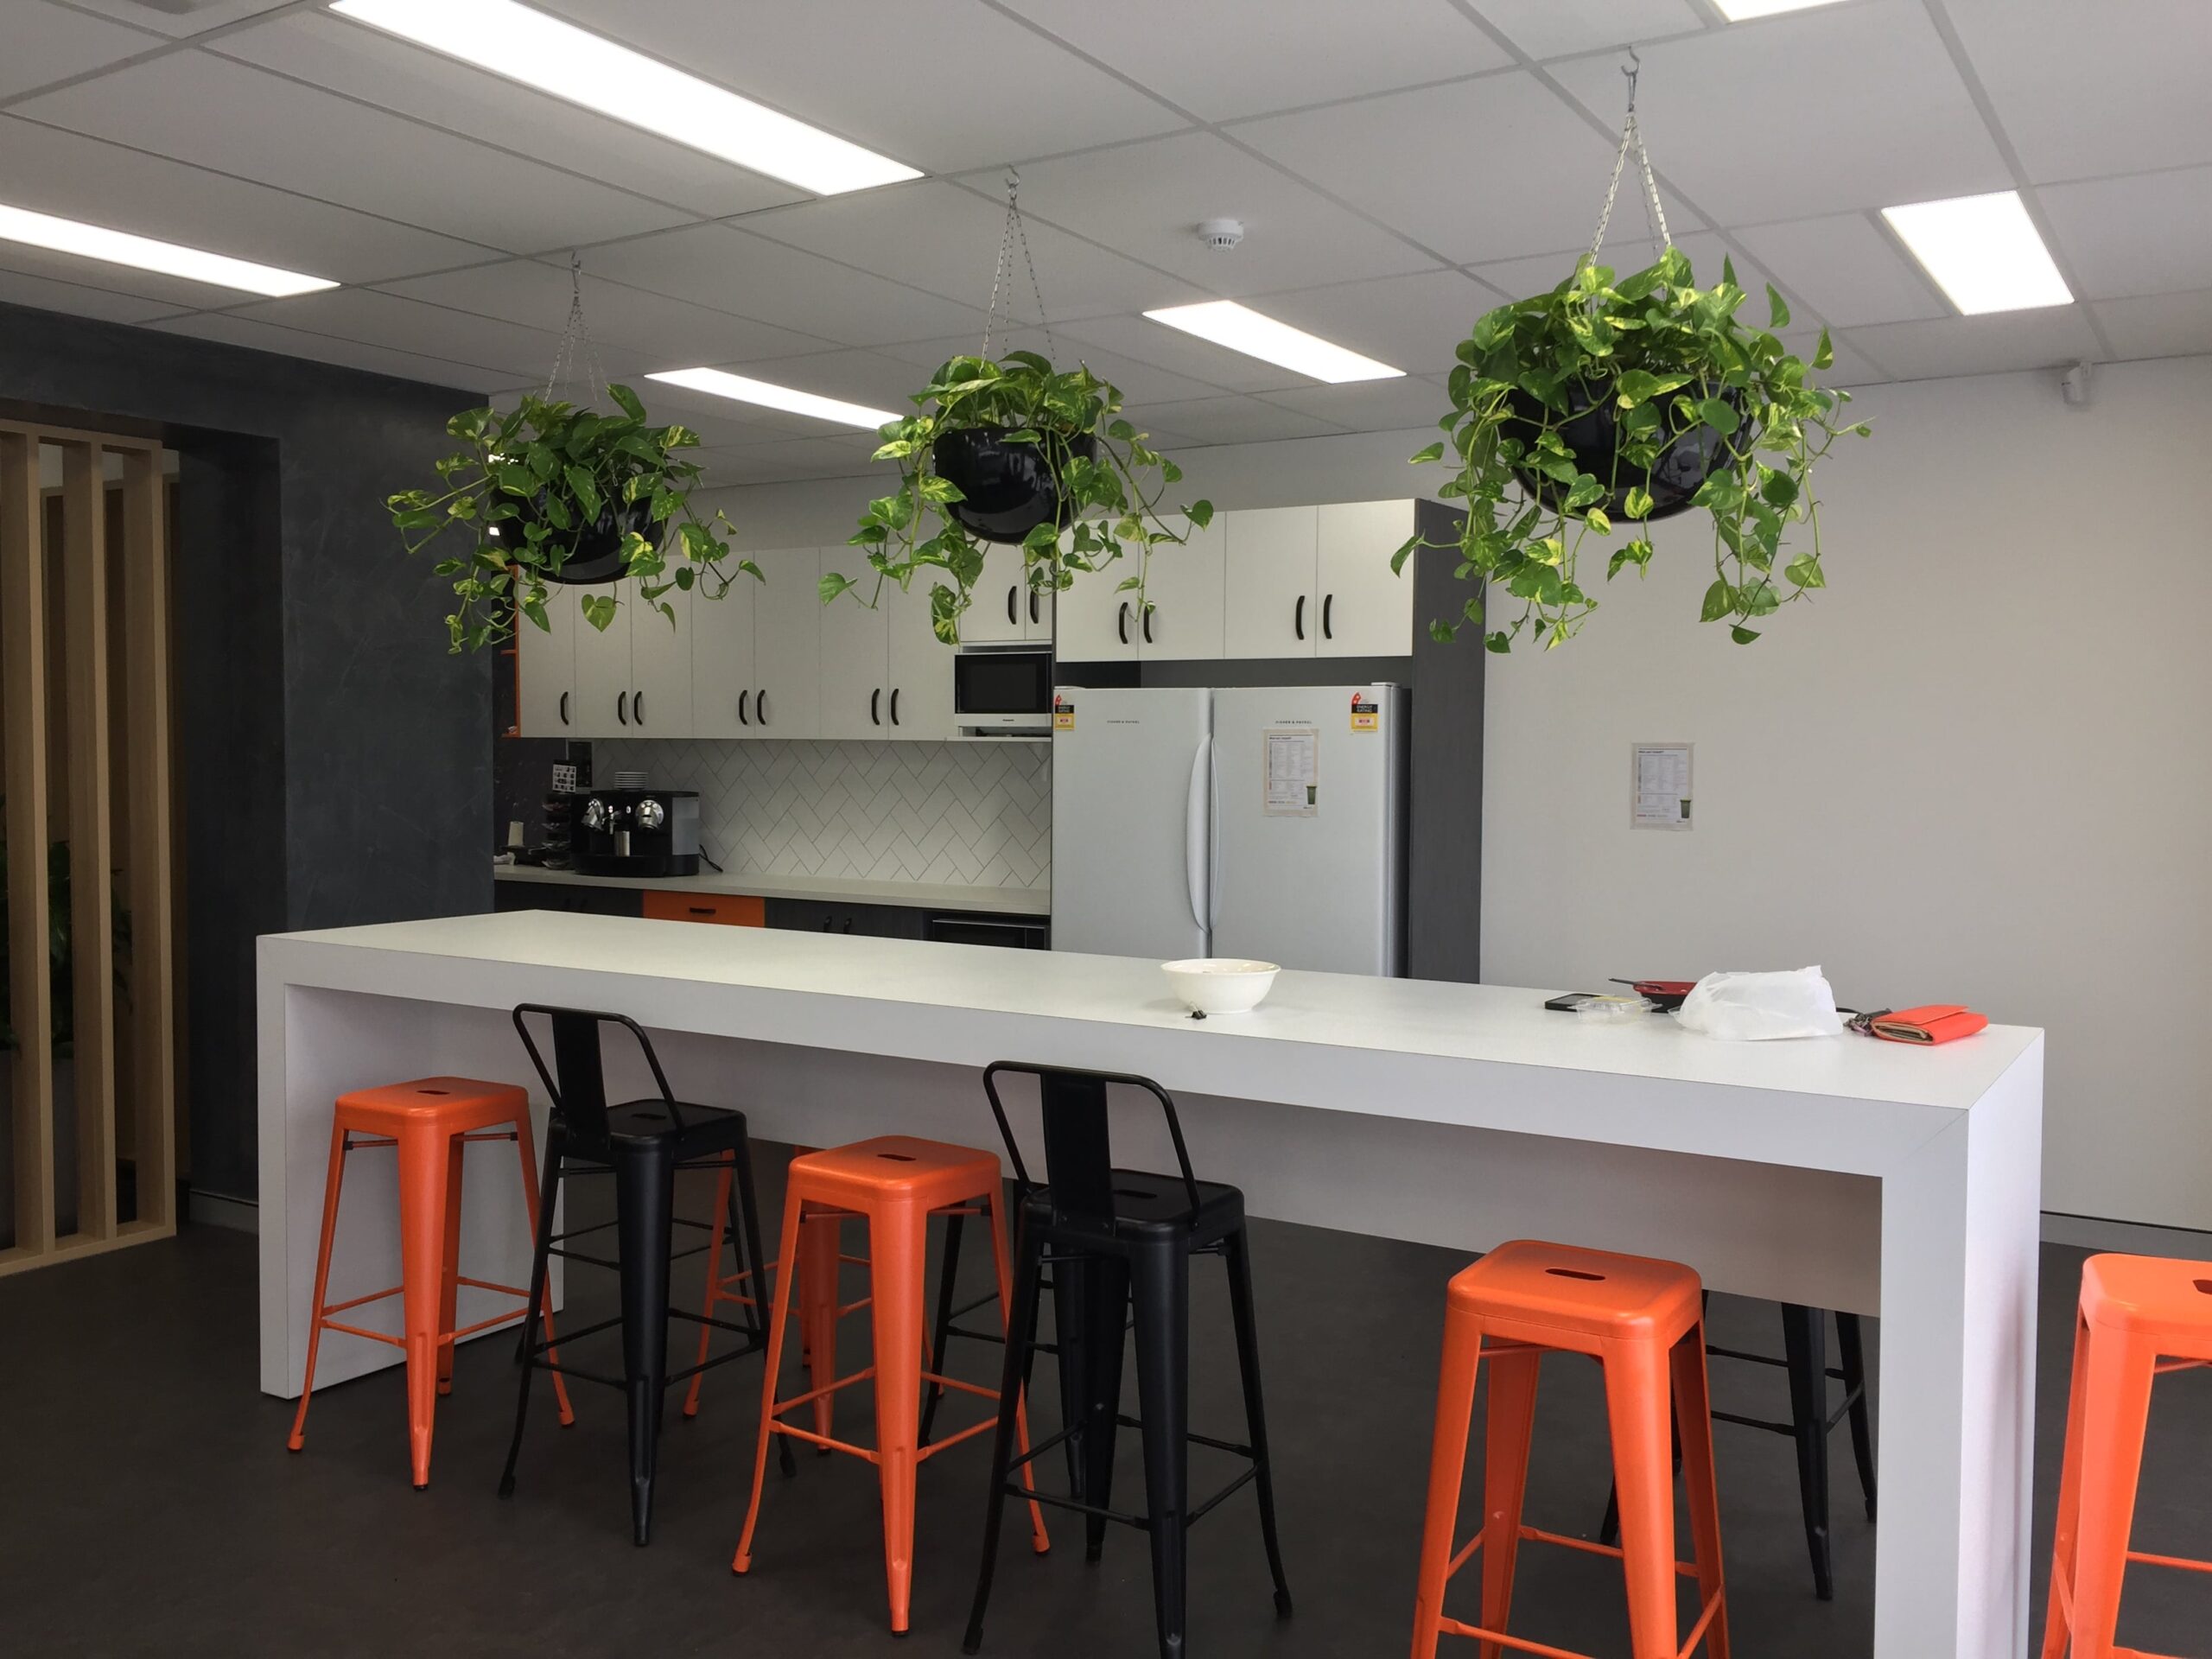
x: 1939, y: 1022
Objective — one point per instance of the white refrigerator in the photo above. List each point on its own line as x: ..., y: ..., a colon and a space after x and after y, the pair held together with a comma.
x: 1259, y: 821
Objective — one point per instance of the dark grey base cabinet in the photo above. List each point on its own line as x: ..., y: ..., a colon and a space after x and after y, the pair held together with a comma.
x: 575, y: 901
x: 868, y: 921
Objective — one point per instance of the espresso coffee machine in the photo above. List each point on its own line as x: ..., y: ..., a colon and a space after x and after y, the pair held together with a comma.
x: 636, y: 832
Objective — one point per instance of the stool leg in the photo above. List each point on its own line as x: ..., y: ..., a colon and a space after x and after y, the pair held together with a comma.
x: 948, y: 1274
x: 2115, y: 1413
x: 722, y: 1186
x: 542, y: 1215
x: 755, y: 1262
x: 1694, y: 1434
x: 541, y: 1294
x: 424, y: 1159
x: 2063, y: 1556
x: 1506, y: 1436
x: 1236, y: 1253
x: 896, y: 1249
x: 450, y: 1286
x: 1160, y: 1286
x: 1850, y: 1347
x: 645, y: 1198
x: 1804, y: 1346
x: 1447, y: 1462
x: 779, y: 1320
x: 821, y: 1242
x: 332, y: 1183
x: 1104, y: 1299
x: 1002, y: 1268
x: 1636, y: 1410
x: 1014, y: 1384
x: 1072, y: 1282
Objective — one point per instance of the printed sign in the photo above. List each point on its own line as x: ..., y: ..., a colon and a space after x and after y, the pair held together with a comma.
x: 1062, y: 714
x: 1366, y: 714
x: 1290, y: 772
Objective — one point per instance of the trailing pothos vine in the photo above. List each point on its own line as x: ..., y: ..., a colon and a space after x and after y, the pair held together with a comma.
x: 1572, y: 414
x: 1110, y: 481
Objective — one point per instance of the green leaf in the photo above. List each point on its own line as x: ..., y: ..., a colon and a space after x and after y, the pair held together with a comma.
x: 1777, y: 308
x: 1780, y: 490
x: 1200, y: 513
x: 1742, y: 636
x: 832, y: 585
x: 598, y: 610
x: 1823, y: 353
x: 1637, y: 502
x: 628, y: 400
x: 1720, y: 415
x: 1720, y: 600
x: 1433, y: 451
x: 1805, y: 571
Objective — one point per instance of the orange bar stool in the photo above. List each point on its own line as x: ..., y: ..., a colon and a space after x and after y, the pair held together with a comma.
x: 429, y: 1121
x: 896, y: 1184
x: 2140, y: 1317
x: 1642, y: 1319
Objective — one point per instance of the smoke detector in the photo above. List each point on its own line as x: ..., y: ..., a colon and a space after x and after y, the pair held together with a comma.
x: 1221, y: 234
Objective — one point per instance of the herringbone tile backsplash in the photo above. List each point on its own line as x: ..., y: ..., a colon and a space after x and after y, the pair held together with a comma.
x: 974, y: 814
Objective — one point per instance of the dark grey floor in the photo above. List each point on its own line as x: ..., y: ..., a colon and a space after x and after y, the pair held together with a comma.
x: 148, y: 1505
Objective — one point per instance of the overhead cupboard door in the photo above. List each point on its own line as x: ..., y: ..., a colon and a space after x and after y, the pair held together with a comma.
x: 546, y: 661
x: 787, y: 647
x: 601, y: 707
x: 1183, y: 620
x: 1269, y: 593
x: 1366, y: 609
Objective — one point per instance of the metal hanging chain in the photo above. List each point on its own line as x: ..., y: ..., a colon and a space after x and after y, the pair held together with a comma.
x: 1016, y: 230
x: 1633, y: 137
x: 578, y: 351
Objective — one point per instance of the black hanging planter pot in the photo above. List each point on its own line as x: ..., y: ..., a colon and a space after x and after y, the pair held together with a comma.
x: 1590, y: 432
x: 1010, y: 488
x: 596, y: 556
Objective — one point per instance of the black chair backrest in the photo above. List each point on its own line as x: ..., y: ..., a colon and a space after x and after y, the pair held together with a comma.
x: 576, y: 1083
x: 1078, y: 1149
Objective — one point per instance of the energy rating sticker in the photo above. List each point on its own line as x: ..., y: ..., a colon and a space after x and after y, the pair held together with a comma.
x: 1063, y: 714
x: 1366, y: 716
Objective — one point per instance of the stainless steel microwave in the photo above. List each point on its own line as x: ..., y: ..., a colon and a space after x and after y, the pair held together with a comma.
x: 1003, y: 690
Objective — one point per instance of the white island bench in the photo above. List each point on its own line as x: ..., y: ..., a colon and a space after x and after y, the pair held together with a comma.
x: 1843, y: 1173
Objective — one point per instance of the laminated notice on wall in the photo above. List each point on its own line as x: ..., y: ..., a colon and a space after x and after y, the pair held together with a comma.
x: 1659, y: 786
x: 1293, y: 753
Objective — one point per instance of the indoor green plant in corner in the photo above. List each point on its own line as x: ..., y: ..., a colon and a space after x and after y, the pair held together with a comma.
x: 1610, y: 402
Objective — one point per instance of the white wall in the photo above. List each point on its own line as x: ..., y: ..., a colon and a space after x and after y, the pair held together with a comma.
x: 1976, y: 770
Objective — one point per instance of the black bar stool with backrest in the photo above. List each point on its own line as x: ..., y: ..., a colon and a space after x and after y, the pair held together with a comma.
x: 1127, y: 1239
x: 642, y: 1143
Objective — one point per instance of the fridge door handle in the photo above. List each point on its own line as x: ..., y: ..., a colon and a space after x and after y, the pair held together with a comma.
x: 1197, y: 831
x: 1213, y: 842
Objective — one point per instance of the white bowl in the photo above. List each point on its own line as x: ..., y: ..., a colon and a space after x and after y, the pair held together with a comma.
x: 1221, y: 984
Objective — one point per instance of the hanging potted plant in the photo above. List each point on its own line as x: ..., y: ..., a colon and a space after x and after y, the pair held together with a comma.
x: 1610, y: 403
x: 1010, y: 450
x: 554, y: 492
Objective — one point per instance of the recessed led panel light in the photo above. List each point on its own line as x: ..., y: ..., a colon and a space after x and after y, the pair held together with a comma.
x: 1227, y: 323
x: 723, y: 384
x: 1983, y: 251
x: 121, y: 248
x: 1737, y: 12
x: 526, y: 45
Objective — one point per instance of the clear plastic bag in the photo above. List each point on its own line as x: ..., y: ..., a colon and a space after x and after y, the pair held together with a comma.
x: 1762, y: 1007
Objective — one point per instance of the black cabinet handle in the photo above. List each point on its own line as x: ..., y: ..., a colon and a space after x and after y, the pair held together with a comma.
x: 622, y: 707
x: 700, y: 910
x: 760, y: 704
x: 637, y: 706
x: 564, y: 708
x: 1328, y: 610
x: 744, y: 718
x: 1010, y: 616
x: 849, y: 923
x: 1299, y: 620
x: 825, y: 923
x: 1147, y: 622
x: 1032, y: 605
x: 1121, y: 622
x: 894, y: 705
x: 875, y: 707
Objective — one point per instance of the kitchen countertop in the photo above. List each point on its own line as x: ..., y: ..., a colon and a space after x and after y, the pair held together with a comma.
x: 856, y: 889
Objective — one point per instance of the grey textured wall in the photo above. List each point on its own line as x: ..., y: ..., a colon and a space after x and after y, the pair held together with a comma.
x: 335, y: 762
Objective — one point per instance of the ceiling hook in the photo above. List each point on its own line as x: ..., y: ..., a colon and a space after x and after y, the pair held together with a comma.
x: 1632, y: 69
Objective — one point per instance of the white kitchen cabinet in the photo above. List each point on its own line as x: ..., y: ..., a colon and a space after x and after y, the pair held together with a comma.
x: 722, y: 681
x: 917, y: 686
x: 1185, y: 594
x: 547, y: 664
x: 1366, y: 609
x: 601, y: 706
x: 787, y: 646
x: 998, y: 611
x: 660, y: 664
x: 855, y: 654
x: 1094, y: 622
x: 1268, y: 598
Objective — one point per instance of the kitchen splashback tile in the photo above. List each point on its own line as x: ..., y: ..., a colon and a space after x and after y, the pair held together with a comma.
x: 978, y: 814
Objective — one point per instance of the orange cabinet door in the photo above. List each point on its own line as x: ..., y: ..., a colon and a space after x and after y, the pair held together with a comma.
x: 725, y: 909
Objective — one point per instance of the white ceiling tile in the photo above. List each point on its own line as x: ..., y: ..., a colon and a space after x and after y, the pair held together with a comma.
x: 178, y: 18
x: 1139, y: 383
x: 1434, y: 164
x: 1551, y: 29
x: 169, y: 295
x: 942, y: 236
x: 1146, y: 200
x: 1180, y: 353
x: 1413, y: 323
x: 1821, y: 112
x: 1227, y: 58
x: 302, y: 139
x: 1846, y: 268
x: 47, y: 43
x: 324, y: 348
x: 379, y: 319
x: 1233, y: 420
x: 2158, y: 325
x: 77, y: 299
x: 801, y: 458
x: 658, y: 331
x: 726, y: 267
x: 1852, y: 367
x: 379, y: 68
x: 51, y: 171
x: 2147, y: 233
x: 1986, y: 344
x: 2085, y: 89
x: 1371, y: 406
x: 940, y: 85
